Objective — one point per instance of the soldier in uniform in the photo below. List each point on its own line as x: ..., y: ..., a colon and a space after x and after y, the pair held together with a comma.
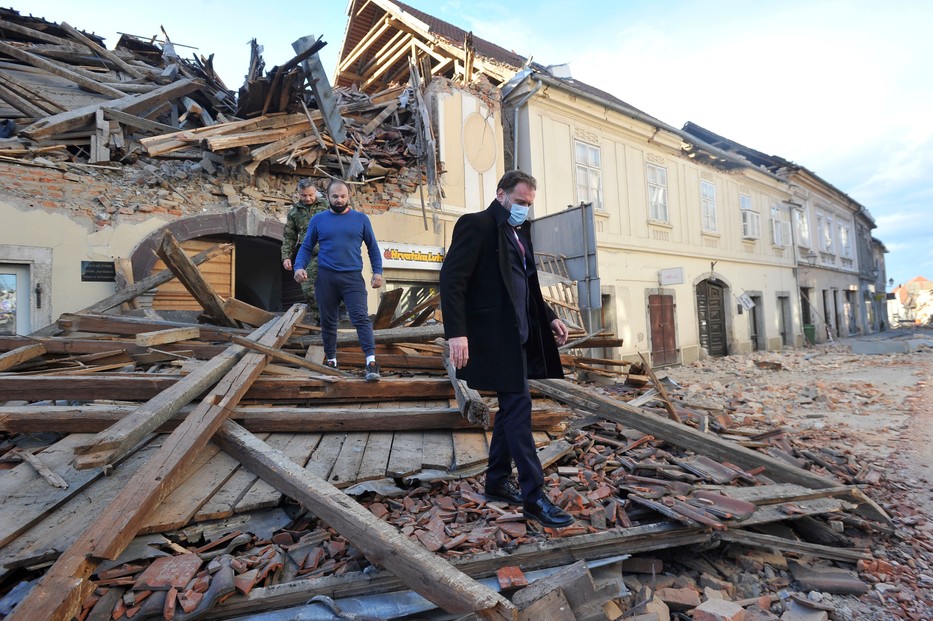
x: 309, y: 203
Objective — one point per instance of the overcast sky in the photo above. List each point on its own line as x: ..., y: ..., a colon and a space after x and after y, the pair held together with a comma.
x: 844, y: 88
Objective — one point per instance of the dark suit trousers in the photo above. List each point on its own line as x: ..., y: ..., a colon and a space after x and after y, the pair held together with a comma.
x: 512, y: 440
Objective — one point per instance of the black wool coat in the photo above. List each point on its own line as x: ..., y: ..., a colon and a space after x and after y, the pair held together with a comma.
x: 477, y: 301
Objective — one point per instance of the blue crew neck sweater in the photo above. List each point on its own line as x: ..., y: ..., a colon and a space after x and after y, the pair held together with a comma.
x: 339, y: 238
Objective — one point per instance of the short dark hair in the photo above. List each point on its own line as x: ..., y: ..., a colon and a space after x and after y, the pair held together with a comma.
x: 512, y: 178
x: 334, y: 182
x: 307, y: 182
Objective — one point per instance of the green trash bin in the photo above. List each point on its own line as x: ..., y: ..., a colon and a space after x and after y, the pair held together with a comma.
x: 809, y: 332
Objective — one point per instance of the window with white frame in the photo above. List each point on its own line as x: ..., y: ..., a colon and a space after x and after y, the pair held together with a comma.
x: 657, y: 193
x: 780, y: 230
x: 802, y: 224
x: 708, y: 206
x: 824, y: 229
x: 589, y: 178
x: 751, y: 219
x: 845, y: 243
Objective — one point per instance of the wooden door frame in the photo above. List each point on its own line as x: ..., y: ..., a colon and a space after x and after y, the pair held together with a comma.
x: 245, y: 221
x: 38, y: 261
x: 678, y: 348
x: 728, y: 308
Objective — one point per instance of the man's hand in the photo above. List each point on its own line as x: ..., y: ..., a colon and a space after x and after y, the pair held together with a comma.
x: 459, y: 351
x: 560, y: 331
x: 301, y: 276
x: 287, y: 264
x: 376, y: 281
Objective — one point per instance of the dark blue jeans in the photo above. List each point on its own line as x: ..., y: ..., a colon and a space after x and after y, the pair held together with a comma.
x: 512, y: 440
x: 330, y: 288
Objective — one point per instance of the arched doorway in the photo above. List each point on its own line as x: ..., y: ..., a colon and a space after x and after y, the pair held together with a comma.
x: 711, y: 317
x: 256, y: 267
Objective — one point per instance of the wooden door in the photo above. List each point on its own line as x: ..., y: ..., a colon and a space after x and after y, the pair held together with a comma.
x: 663, y: 335
x: 753, y: 321
x: 219, y: 272
x: 711, y: 317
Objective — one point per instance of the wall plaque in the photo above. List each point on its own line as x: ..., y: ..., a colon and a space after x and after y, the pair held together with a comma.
x: 98, y: 271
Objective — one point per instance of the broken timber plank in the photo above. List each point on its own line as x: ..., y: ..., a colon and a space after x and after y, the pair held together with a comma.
x: 60, y: 592
x: 102, y: 51
x: 99, y: 417
x: 387, y: 306
x: 472, y: 406
x: 202, y: 351
x: 187, y: 273
x: 153, y: 281
x: 421, y: 334
x: 759, y: 540
x: 169, y: 335
x: 380, y: 542
x: 278, y: 354
x: 118, y: 439
x: 137, y: 121
x: 48, y: 475
x: 32, y: 33
x: 470, y: 449
x: 666, y: 400
x: 73, y: 119
x: 19, y: 355
x: 127, y: 325
x: 95, y: 418
x: 247, y: 313
x: 137, y: 387
x: 59, y: 70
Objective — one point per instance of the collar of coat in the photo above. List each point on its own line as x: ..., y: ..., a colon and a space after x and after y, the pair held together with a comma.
x: 500, y: 215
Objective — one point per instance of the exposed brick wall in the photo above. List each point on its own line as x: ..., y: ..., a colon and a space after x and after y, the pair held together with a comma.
x: 101, y: 197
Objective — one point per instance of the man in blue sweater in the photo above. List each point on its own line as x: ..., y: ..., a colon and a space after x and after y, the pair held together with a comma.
x: 339, y: 235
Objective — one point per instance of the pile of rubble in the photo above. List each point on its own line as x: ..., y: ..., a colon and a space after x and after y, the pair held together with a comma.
x: 691, y: 498
x: 67, y: 97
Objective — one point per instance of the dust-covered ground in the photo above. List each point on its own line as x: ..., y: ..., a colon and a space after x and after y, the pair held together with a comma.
x: 876, y: 409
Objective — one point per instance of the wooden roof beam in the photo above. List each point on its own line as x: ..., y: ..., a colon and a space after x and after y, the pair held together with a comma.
x: 188, y: 274
x: 365, y: 43
x: 398, y: 40
x: 450, y: 589
x: 389, y: 63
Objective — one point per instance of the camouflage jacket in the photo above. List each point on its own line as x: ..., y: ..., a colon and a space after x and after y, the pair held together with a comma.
x: 296, y: 225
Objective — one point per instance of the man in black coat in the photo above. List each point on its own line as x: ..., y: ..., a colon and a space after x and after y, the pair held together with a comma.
x: 501, y: 333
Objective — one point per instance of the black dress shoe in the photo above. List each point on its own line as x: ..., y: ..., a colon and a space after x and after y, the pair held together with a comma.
x: 546, y: 513
x: 507, y: 492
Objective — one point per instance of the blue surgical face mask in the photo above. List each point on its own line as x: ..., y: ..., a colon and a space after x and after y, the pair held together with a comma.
x: 517, y: 213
